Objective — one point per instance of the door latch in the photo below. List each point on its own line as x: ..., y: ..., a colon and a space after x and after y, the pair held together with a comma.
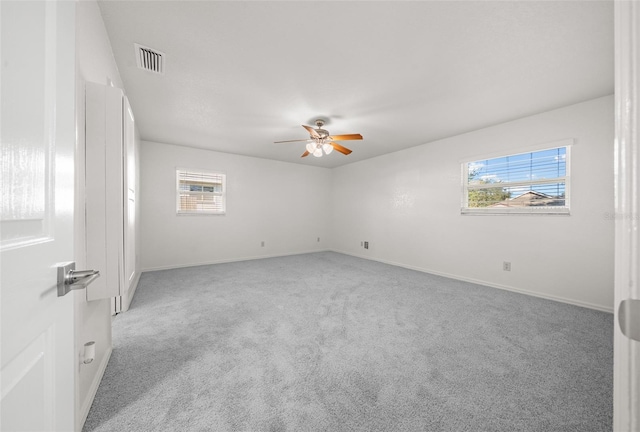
x: 71, y: 279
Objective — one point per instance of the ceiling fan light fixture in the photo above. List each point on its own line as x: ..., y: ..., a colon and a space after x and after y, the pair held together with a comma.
x: 311, y: 147
x: 328, y: 148
x: 318, y: 152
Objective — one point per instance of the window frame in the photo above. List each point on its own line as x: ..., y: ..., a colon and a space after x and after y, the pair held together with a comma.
x: 567, y: 144
x: 178, y: 207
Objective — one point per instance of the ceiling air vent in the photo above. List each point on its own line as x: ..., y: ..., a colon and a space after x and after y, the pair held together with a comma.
x: 149, y: 59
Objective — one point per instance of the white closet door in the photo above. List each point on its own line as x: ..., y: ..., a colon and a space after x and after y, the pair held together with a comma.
x: 130, y: 197
x: 104, y: 189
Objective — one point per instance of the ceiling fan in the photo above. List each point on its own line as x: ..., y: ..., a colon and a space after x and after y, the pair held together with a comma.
x: 321, y: 141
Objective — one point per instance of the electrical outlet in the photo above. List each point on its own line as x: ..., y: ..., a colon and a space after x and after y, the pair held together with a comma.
x: 506, y: 266
x: 261, y: 244
x: 366, y: 245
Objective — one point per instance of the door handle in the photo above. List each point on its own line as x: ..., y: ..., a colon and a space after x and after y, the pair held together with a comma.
x: 71, y: 279
x: 629, y: 318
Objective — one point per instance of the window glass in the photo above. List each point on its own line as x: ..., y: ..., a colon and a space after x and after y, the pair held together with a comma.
x: 534, y: 182
x: 200, y: 192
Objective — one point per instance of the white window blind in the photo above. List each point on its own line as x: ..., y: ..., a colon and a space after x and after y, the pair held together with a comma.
x: 534, y: 182
x: 200, y: 192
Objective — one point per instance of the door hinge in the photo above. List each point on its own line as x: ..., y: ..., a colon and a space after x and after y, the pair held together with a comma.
x: 629, y: 318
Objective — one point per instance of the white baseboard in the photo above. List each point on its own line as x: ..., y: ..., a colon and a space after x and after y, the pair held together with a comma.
x: 86, y: 405
x: 250, y: 258
x: 489, y: 284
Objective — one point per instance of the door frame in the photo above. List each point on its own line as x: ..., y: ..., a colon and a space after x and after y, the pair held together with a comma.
x: 626, y: 387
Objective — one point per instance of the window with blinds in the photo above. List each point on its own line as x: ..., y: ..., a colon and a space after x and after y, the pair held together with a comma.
x: 534, y: 182
x: 200, y: 192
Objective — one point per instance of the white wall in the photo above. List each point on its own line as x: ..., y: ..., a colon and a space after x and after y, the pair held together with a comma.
x: 407, y: 205
x: 283, y: 204
x: 95, y: 63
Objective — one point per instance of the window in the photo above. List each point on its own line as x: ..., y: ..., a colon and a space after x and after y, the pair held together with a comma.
x: 535, y: 182
x: 200, y: 192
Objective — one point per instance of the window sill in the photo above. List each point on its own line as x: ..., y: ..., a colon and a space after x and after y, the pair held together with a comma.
x: 515, y: 211
x: 200, y: 213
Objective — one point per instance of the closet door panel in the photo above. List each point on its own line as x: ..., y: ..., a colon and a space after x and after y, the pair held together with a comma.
x: 104, y: 189
x: 130, y: 196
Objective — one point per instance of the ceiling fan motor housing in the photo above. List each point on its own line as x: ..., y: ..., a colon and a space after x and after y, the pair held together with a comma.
x: 322, y: 133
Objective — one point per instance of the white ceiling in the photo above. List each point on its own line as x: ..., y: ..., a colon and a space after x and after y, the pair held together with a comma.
x: 240, y: 75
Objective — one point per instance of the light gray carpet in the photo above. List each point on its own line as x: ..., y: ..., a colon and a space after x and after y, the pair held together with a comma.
x: 328, y: 342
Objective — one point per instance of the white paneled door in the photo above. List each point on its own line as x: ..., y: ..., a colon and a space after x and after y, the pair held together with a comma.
x: 38, y: 138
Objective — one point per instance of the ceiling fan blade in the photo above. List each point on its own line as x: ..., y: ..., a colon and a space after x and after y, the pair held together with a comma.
x: 305, y: 154
x: 341, y: 149
x: 312, y: 131
x: 346, y: 137
x: 288, y: 141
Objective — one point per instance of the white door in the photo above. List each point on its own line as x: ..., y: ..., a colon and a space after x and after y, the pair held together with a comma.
x: 626, y: 406
x: 37, y: 173
x: 129, y: 196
